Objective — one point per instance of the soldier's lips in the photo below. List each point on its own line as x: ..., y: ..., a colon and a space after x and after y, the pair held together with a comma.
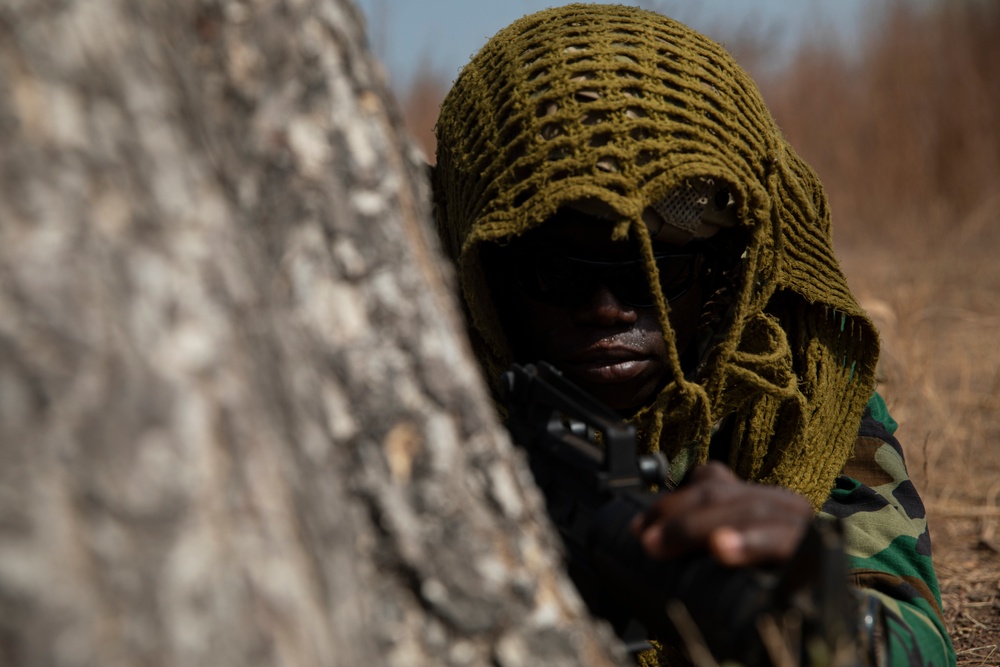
x: 608, y: 366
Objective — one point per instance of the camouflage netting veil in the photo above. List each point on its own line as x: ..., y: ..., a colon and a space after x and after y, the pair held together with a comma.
x: 620, y: 106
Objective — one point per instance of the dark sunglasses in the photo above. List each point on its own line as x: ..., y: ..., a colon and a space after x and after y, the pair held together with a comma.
x: 560, y: 279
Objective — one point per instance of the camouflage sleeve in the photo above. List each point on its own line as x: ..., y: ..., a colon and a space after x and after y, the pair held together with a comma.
x: 887, y: 543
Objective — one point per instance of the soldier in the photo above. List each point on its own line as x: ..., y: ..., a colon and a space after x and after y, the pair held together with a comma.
x: 619, y: 202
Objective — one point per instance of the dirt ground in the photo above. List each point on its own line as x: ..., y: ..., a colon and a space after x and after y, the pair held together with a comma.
x: 969, y: 572
x: 938, y: 310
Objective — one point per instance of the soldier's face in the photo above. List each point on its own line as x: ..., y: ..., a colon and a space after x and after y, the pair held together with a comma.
x: 581, y: 302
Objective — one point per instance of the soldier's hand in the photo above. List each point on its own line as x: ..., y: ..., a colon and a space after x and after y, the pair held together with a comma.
x: 741, y: 524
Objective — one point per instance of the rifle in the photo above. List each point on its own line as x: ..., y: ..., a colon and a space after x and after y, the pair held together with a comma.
x: 801, y: 614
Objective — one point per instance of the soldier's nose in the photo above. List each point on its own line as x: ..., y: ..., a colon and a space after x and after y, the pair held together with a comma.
x: 603, y: 308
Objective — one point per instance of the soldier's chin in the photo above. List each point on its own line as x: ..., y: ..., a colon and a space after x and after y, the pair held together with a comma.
x: 627, y: 404
x: 624, y: 387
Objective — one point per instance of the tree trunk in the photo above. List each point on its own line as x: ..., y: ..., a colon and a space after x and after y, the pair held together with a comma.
x: 238, y: 419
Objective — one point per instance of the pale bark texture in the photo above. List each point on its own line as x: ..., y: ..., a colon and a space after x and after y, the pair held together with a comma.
x: 239, y: 424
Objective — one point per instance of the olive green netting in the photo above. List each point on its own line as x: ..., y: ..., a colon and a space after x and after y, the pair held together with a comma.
x: 617, y: 105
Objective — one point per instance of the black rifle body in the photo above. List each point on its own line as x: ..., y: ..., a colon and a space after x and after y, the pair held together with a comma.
x: 594, y: 489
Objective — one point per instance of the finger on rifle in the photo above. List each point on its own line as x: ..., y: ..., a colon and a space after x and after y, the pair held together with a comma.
x: 753, y: 525
x: 739, y: 523
x: 688, y: 493
x: 671, y: 526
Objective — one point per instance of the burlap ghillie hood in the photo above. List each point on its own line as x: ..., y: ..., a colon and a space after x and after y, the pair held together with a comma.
x: 621, y: 108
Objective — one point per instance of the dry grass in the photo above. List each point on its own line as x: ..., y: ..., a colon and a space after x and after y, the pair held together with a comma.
x: 420, y: 104
x: 905, y: 135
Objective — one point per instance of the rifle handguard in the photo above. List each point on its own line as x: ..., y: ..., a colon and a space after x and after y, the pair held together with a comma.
x: 584, y: 459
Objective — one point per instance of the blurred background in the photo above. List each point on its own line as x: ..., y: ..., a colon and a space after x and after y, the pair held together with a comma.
x: 896, y: 104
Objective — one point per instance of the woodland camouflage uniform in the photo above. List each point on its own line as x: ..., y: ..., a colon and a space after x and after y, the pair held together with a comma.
x: 628, y: 110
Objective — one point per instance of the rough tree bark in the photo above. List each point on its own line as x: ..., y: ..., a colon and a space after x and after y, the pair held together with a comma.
x: 238, y: 421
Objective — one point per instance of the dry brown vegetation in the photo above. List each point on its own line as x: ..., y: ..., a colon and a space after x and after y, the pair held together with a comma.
x: 905, y: 135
